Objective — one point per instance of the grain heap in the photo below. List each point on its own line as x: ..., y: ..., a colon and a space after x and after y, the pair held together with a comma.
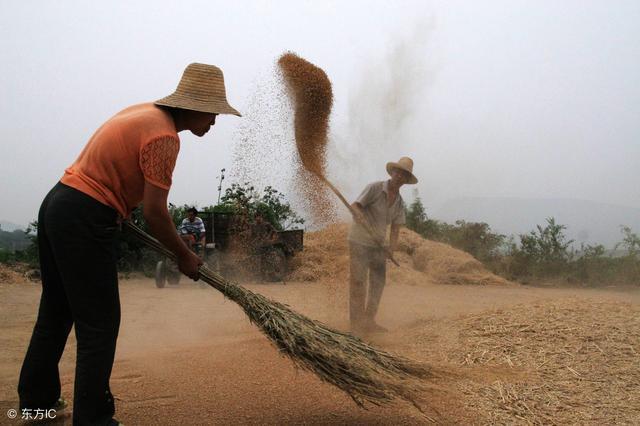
x: 423, y: 262
x: 310, y: 92
x: 560, y: 361
x: 13, y: 275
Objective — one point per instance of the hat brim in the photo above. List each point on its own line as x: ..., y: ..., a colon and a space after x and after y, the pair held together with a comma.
x: 391, y: 165
x: 178, y: 101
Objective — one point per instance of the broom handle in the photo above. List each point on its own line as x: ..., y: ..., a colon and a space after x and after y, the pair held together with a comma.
x: 207, y: 275
x: 367, y: 226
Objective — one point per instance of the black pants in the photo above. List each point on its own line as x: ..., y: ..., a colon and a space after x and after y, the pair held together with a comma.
x: 76, y: 239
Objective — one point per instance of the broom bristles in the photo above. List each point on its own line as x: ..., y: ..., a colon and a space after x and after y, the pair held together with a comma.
x: 365, y: 373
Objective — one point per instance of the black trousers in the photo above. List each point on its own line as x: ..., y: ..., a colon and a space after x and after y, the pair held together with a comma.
x: 76, y: 239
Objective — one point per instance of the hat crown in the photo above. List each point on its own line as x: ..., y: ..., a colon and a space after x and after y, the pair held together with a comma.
x: 201, y: 88
x: 203, y: 82
x: 406, y: 163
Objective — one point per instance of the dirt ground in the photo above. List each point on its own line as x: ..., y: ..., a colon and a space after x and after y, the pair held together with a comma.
x: 188, y: 356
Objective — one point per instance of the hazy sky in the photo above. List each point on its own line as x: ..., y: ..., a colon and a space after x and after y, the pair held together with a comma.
x: 531, y: 99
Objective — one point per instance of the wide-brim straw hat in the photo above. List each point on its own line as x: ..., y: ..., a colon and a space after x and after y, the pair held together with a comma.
x: 201, y: 88
x: 406, y: 164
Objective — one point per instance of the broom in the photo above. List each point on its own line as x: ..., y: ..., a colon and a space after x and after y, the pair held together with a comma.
x: 365, y: 373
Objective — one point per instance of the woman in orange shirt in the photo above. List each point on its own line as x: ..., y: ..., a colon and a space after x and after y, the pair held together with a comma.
x: 129, y: 160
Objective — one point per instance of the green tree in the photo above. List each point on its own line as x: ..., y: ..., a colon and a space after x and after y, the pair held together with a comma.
x: 418, y: 221
x: 630, y: 242
x: 270, y: 203
x: 546, y: 248
x: 475, y: 238
x: 416, y: 215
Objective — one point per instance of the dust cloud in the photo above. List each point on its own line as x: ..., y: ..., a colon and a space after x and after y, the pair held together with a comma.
x: 383, y: 114
x: 378, y: 121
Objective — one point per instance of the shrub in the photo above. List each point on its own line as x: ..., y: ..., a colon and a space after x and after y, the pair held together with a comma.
x: 246, y: 200
x: 474, y: 238
x: 546, y: 250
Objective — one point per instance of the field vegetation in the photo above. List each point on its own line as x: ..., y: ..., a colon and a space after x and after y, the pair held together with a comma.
x: 542, y: 255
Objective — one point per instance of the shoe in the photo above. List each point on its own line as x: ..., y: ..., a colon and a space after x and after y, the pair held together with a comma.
x: 59, y: 405
x: 114, y: 422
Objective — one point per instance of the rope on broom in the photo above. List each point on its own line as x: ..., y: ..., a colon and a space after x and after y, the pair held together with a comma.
x: 365, y: 373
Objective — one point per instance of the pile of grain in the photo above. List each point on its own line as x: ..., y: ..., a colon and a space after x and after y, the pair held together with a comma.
x: 567, y: 361
x: 13, y: 274
x: 311, y: 95
x: 326, y: 257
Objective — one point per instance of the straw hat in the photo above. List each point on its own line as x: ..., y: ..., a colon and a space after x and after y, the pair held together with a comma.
x: 200, y: 89
x: 406, y: 164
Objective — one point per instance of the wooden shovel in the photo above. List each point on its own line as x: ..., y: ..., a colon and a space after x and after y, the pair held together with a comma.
x: 366, y: 225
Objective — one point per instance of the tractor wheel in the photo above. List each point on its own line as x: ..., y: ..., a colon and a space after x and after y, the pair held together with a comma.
x: 161, y: 274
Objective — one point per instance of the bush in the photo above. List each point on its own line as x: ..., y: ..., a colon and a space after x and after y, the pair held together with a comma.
x: 271, y: 204
x: 630, y: 242
x: 545, y: 254
x: 542, y: 254
x: 418, y: 221
x: 545, y: 250
x: 474, y: 238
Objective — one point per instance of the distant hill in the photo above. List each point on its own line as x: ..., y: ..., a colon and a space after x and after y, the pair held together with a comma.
x: 587, y: 221
x: 10, y: 226
x: 13, y: 240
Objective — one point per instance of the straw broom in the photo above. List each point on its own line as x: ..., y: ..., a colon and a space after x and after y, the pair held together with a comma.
x: 365, y: 373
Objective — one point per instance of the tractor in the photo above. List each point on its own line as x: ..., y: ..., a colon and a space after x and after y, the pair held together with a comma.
x: 229, y: 246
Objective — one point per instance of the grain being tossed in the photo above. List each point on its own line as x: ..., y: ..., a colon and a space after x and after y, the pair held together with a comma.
x: 310, y: 91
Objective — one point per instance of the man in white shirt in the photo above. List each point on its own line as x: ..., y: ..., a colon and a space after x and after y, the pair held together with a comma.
x: 379, y: 205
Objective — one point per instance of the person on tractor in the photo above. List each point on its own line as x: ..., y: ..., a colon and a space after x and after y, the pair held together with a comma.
x: 193, y: 232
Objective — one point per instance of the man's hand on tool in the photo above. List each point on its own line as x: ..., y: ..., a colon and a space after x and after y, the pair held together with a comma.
x: 358, y: 216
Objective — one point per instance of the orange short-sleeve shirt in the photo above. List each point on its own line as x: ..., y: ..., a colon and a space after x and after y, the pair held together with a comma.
x: 136, y: 145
